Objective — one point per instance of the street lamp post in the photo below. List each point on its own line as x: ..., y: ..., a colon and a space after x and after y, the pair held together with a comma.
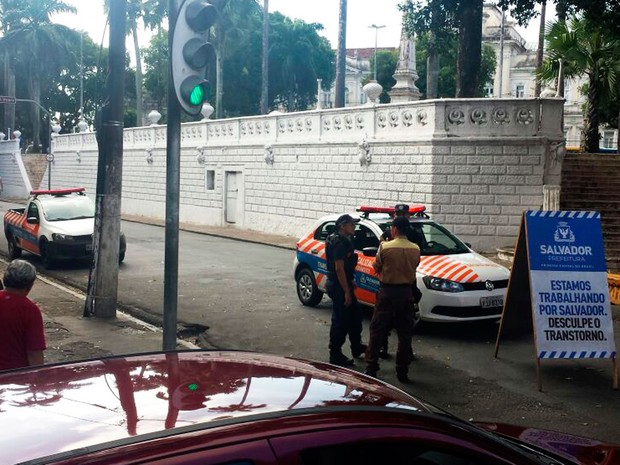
x: 376, y: 28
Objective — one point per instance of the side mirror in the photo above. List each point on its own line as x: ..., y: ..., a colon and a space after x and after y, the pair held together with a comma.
x: 32, y: 220
x: 370, y: 251
x: 468, y: 244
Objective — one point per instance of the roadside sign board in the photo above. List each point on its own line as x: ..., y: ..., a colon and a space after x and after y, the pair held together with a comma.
x: 560, y: 267
x: 570, y: 294
x: 5, y: 99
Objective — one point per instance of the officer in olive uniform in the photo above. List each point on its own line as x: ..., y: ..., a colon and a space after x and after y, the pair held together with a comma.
x: 396, y: 264
x: 413, y: 235
x: 346, y: 314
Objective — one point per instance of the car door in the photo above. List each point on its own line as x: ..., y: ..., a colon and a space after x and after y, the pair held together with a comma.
x: 366, y: 280
x: 30, y: 236
x: 382, y: 445
x: 249, y: 453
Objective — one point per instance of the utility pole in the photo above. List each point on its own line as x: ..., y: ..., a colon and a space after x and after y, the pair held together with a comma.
x: 103, y: 278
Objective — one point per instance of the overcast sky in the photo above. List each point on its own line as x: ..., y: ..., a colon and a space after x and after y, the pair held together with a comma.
x: 360, y: 15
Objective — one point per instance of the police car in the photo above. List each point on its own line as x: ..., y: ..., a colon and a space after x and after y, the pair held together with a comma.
x: 457, y: 283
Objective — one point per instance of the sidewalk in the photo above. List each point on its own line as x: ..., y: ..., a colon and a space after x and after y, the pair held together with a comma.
x: 70, y: 336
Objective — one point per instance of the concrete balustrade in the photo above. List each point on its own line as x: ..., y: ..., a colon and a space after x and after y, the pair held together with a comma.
x: 476, y: 164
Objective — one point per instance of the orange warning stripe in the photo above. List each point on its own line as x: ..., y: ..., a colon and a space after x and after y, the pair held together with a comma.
x: 444, y: 267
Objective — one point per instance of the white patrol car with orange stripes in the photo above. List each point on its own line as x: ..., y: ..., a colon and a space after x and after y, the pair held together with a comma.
x: 56, y: 225
x: 457, y: 283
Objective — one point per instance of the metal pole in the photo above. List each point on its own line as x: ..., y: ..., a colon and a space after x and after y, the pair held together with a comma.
x: 376, y: 34
x: 173, y: 187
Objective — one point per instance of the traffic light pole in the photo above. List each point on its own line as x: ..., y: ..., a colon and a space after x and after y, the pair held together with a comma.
x: 173, y: 188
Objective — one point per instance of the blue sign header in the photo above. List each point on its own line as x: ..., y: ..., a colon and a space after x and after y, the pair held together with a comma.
x: 565, y: 241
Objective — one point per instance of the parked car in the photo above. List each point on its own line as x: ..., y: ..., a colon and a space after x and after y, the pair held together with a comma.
x: 212, y: 407
x: 55, y: 225
x: 457, y: 283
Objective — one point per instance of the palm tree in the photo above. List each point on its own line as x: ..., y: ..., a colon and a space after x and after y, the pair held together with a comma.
x: 578, y: 48
x: 341, y: 55
x: 34, y: 43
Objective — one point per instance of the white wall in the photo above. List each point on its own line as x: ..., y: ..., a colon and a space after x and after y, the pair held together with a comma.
x: 476, y: 164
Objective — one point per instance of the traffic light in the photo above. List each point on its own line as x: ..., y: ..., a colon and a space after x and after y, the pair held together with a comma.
x: 189, y: 396
x: 190, y: 53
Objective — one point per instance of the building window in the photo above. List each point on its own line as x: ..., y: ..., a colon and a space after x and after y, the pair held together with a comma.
x: 488, y: 90
x: 346, y: 96
x: 520, y: 91
x: 210, y: 180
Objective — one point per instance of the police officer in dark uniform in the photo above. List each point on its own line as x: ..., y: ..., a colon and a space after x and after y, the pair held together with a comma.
x: 346, y: 314
x: 413, y: 235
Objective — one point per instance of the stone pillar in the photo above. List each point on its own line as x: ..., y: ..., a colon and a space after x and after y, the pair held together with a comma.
x: 551, y: 197
x: 406, y: 74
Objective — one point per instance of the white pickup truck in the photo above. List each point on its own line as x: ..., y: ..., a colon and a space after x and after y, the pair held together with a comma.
x: 56, y: 225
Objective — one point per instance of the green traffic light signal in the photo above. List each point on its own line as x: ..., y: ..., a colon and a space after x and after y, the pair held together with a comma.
x: 190, y: 53
x: 194, y: 90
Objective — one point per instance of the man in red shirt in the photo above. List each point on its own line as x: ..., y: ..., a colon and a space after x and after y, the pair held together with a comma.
x: 22, y: 338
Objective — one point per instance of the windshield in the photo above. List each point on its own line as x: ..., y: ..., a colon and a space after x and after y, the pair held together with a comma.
x: 69, y: 207
x: 433, y: 239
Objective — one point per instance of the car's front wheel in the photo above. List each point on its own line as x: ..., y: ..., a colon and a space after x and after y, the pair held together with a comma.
x: 307, y: 290
x: 48, y: 260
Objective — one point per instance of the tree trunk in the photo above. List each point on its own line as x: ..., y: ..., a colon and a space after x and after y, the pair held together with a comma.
x: 341, y: 55
x: 541, y: 46
x: 139, y: 110
x: 560, y: 87
x: 219, y: 80
x: 264, y: 95
x: 470, y: 49
x: 9, y: 89
x: 591, y: 132
x: 432, y: 67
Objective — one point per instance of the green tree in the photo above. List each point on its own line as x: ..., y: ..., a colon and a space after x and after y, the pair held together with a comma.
x: 581, y: 47
x: 298, y: 57
x: 152, y: 13
x: 387, y: 61
x: 441, y: 18
x: 446, y: 87
x: 231, y: 34
x: 62, y: 93
x: 34, y: 45
x: 156, y: 69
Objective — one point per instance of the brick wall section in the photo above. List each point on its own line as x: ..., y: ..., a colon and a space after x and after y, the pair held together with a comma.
x: 475, y: 179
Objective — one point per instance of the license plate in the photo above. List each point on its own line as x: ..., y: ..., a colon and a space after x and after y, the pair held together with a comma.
x: 489, y: 302
x: 89, y: 247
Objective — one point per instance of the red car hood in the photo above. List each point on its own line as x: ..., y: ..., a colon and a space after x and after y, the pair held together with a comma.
x: 577, y: 449
x: 69, y: 406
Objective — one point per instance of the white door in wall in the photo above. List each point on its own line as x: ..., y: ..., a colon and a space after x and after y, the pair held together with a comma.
x: 232, y: 195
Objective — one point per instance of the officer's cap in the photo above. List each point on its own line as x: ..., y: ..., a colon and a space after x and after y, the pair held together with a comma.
x: 344, y: 219
x: 401, y: 208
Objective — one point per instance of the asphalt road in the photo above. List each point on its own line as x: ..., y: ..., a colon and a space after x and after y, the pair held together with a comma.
x: 245, y: 294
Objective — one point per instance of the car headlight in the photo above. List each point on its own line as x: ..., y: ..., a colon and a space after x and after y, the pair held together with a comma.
x: 62, y: 237
x: 444, y: 285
